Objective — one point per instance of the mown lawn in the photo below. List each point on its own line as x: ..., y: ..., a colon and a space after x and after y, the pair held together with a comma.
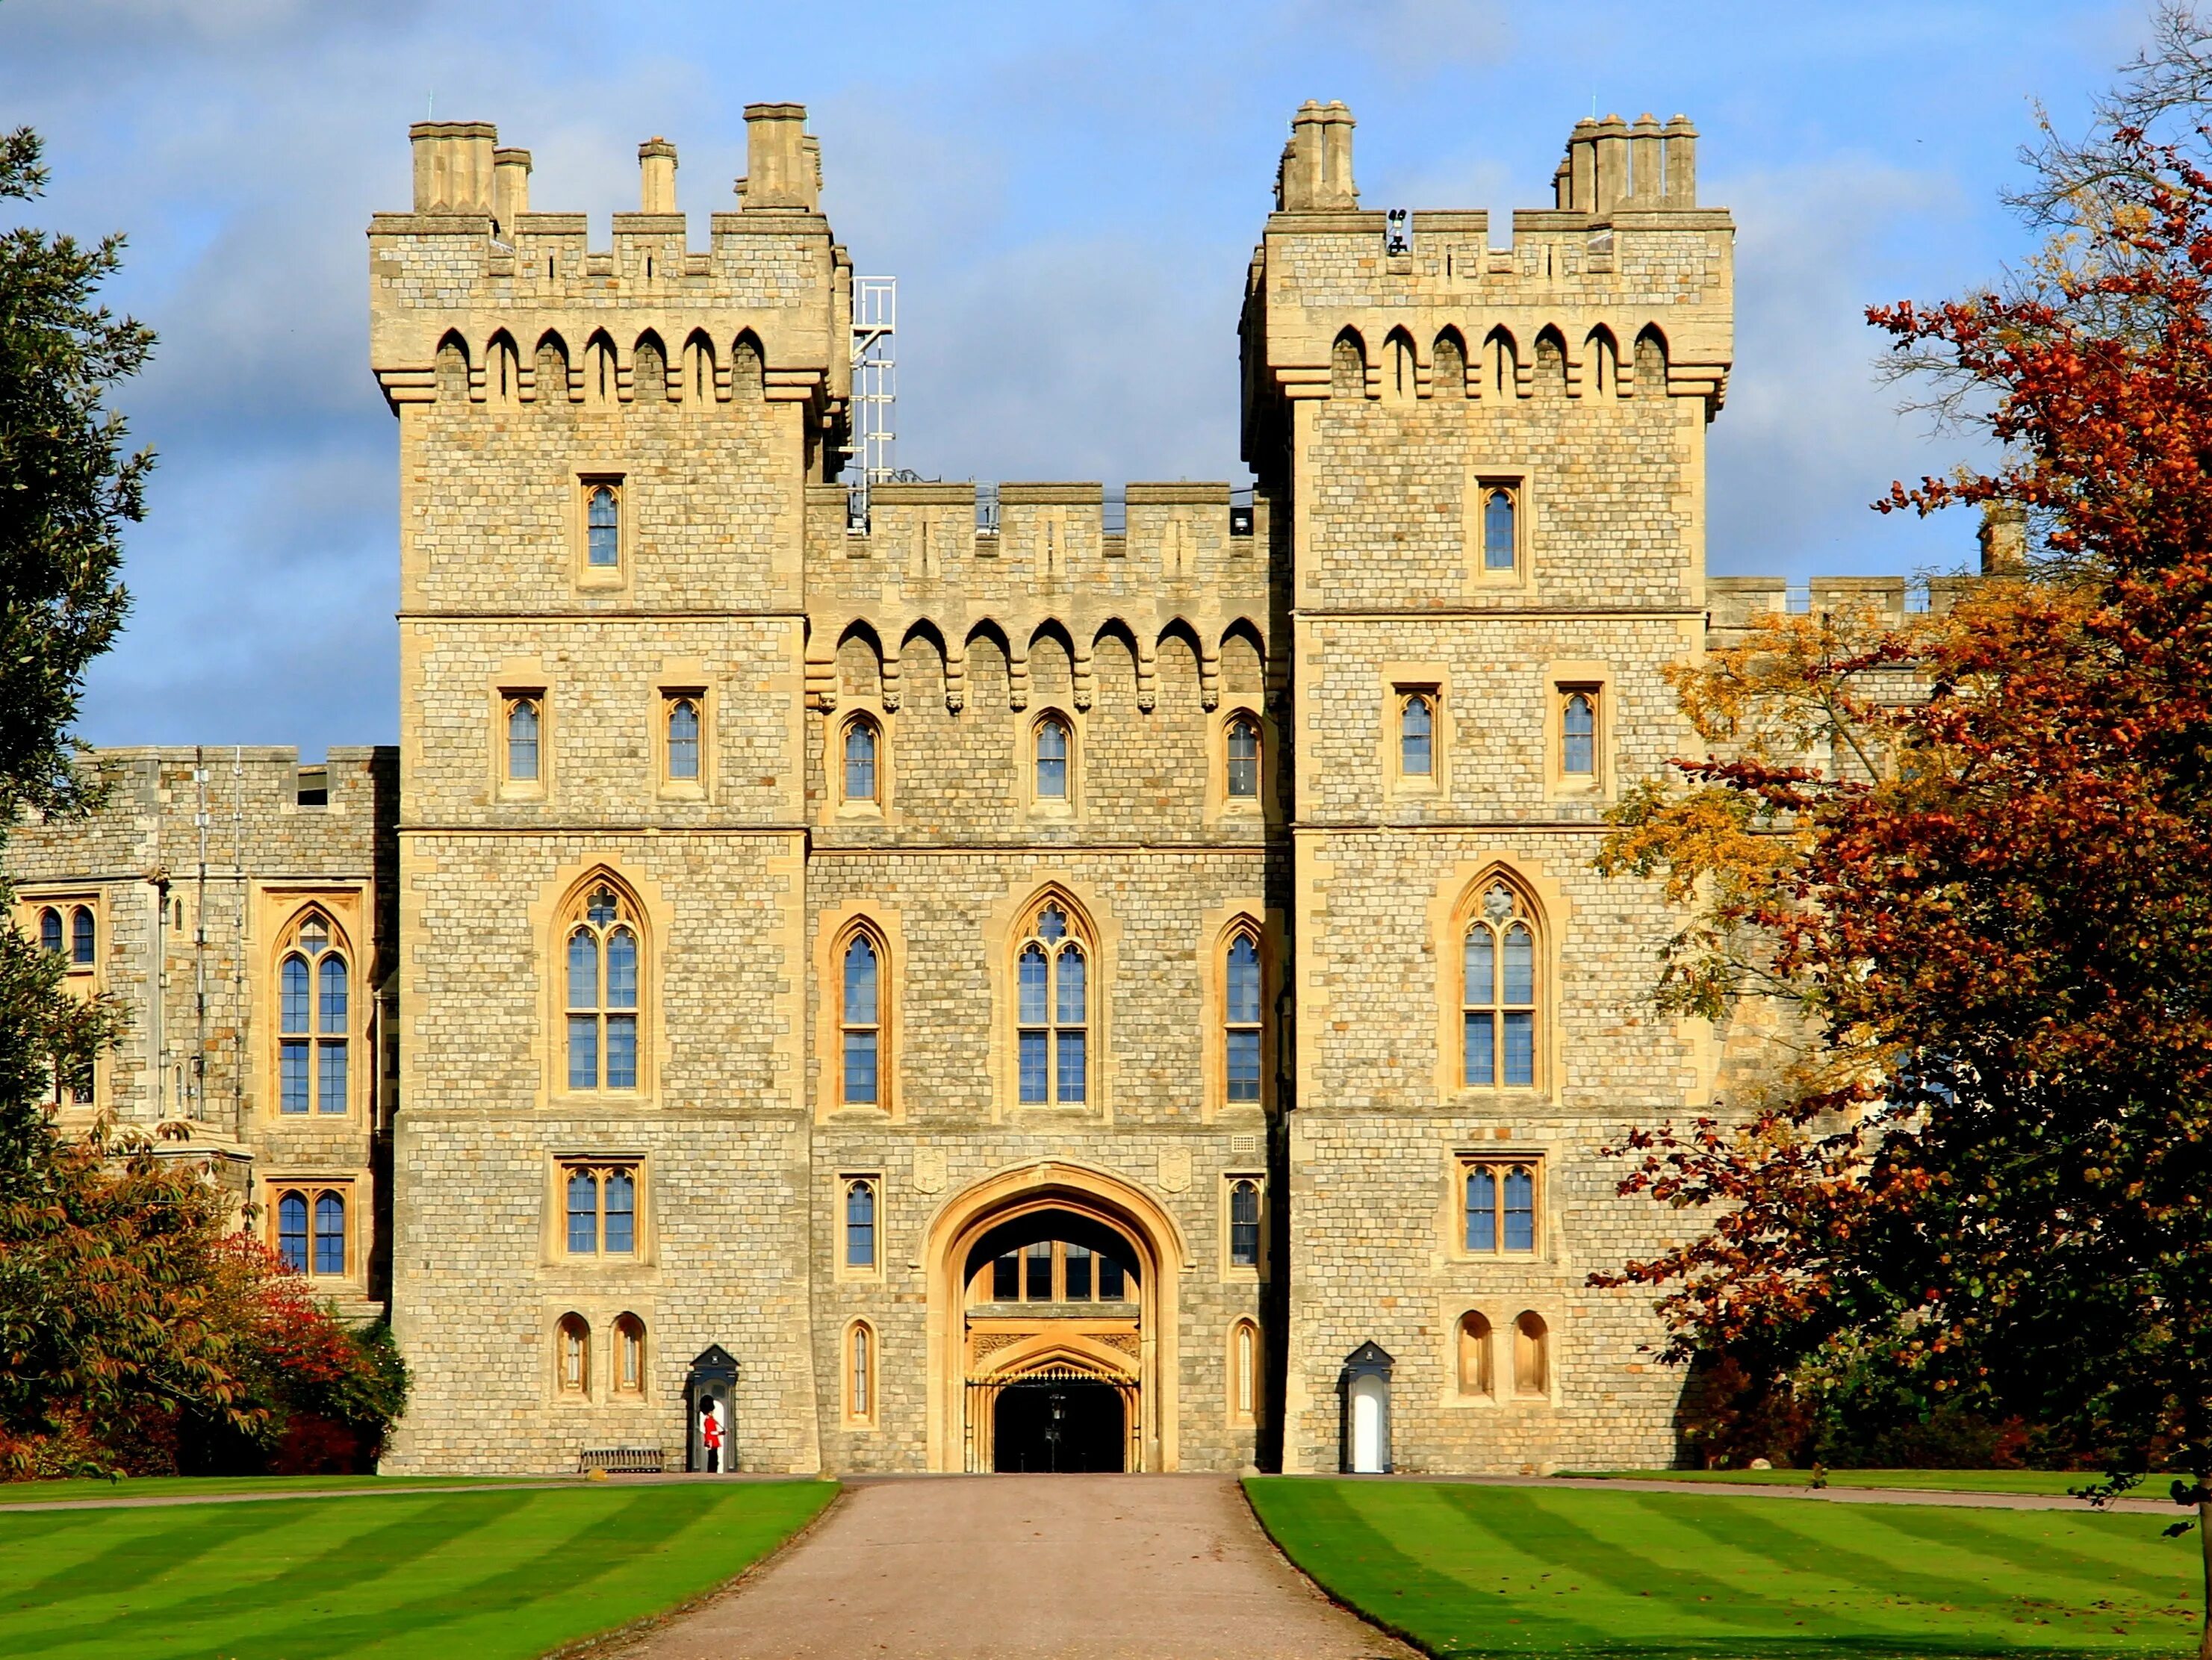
x: 487, y: 1576
x: 1466, y: 1569
x: 2056, y: 1483
x: 206, y: 1486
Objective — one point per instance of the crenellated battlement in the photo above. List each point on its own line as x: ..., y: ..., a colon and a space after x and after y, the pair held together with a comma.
x: 520, y: 302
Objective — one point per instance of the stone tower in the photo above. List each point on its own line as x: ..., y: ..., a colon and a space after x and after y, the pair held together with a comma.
x: 1487, y: 459
x: 603, y: 504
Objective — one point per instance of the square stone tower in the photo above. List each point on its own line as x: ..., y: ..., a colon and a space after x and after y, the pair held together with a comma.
x: 604, y: 464
x: 1487, y: 459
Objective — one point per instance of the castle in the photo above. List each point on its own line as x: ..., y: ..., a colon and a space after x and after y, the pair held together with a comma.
x: 982, y: 981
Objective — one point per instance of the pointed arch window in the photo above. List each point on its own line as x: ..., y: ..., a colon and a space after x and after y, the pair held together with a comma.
x: 1243, y: 1027
x: 861, y: 1224
x: 574, y: 1341
x: 601, y: 1202
x: 860, y: 1373
x: 1244, y: 758
x: 1497, y: 999
x: 50, y: 930
x: 310, y: 1229
x: 1501, y: 544
x: 861, y: 747
x: 602, y: 524
x: 1531, y: 1355
x: 683, y: 739
x: 523, y: 726
x: 1244, y: 1223
x: 1500, y: 1206
x: 1244, y: 1372
x: 602, y: 974
x: 1052, y: 1013
x: 82, y: 938
x: 629, y: 1355
x: 1052, y: 751
x: 860, y: 1022
x: 1417, y: 725
x: 292, y: 1231
x: 313, y: 1020
x: 1578, y: 734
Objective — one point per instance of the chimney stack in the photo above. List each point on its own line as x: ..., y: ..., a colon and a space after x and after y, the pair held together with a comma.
x: 1611, y: 164
x: 656, y: 167
x: 1681, y: 163
x: 779, y: 172
x: 1315, y: 175
x: 1645, y: 185
x: 453, y: 166
x: 1581, y: 156
x: 510, y: 187
x: 2004, y: 538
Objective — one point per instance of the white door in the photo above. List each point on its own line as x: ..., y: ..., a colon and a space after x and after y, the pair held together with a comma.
x: 1367, y: 1402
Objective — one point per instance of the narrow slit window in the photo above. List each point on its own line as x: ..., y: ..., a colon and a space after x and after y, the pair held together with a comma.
x: 292, y: 1231
x: 862, y: 1027
x: 330, y: 1234
x: 1578, y: 735
x: 1244, y: 1225
x: 575, y: 1345
x: 860, y: 761
x: 1051, y: 760
x: 82, y: 951
x: 863, y: 1363
x: 629, y: 1355
x: 522, y: 730
x: 50, y: 930
x: 684, y: 740
x: 1417, y: 737
x: 861, y: 1224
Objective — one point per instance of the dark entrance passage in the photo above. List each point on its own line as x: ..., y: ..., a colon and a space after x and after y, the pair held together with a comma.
x: 1058, y: 1424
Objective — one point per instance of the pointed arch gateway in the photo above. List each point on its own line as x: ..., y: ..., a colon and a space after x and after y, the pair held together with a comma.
x: 983, y: 1350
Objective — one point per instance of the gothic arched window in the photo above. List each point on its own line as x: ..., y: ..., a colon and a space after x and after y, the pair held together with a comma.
x: 860, y: 1371
x: 684, y: 738
x: 1052, y: 1010
x: 1501, y: 547
x: 601, y: 527
x: 311, y: 1230
x: 1241, y: 1025
x: 860, y: 1022
x: 1244, y: 1371
x: 860, y: 1224
x: 1244, y: 1223
x: 313, y: 1019
x: 861, y: 746
x: 522, y: 730
x: 1532, y: 1354
x: 1417, y: 717
x: 602, y: 975
x: 1244, y: 757
x: 1473, y: 1359
x: 1497, y: 999
x: 574, y: 1350
x: 82, y: 937
x: 292, y: 1231
x: 629, y: 1355
x: 1578, y: 735
x: 50, y: 930
x: 1052, y: 749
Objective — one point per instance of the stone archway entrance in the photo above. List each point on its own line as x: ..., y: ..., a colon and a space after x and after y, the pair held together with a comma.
x: 1052, y: 1321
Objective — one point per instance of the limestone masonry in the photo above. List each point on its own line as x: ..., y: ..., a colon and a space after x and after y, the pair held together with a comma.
x: 1036, y: 979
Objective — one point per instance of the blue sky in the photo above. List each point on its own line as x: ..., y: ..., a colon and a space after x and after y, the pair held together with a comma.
x: 1066, y: 193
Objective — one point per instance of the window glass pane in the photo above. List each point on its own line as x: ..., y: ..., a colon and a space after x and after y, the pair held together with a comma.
x: 522, y: 742
x: 602, y: 529
x: 1073, y: 1001
x: 621, y: 1051
x: 1520, y: 1050
x: 583, y: 1051
x: 1052, y: 760
x: 1244, y: 1225
x: 1480, y: 1061
x: 860, y: 761
x: 80, y: 941
x: 330, y: 1234
x: 330, y: 1001
x: 583, y: 1214
x: 602, y: 909
x: 1033, y: 977
x: 1005, y: 1277
x: 621, y: 970
x: 1039, y: 1258
x: 633, y: 1356
x: 1052, y: 923
x: 860, y: 1371
x: 1112, y: 1280
x: 583, y: 970
x: 1244, y: 1065
x: 293, y: 997
x: 861, y: 1068
x: 1482, y: 1209
x: 1244, y: 982
x: 860, y: 1225
x: 1413, y: 733
x: 1480, y: 968
x: 1035, y: 1088
x: 1498, y: 539
x: 331, y: 1078
x: 1520, y: 1209
x: 620, y: 1205
x: 859, y: 984
x: 292, y: 1231
x: 684, y: 738
x: 1072, y: 1081
x: 292, y: 1076
x: 1579, y: 732
x: 1520, y: 965
x: 50, y: 930
x: 1077, y: 1273
x: 1244, y: 758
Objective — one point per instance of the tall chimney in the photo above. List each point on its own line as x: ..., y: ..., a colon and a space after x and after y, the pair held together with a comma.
x: 779, y: 174
x: 1336, y: 156
x: 656, y: 167
x: 2004, y: 538
x: 1645, y: 186
x: 1582, y: 153
x: 1681, y: 163
x: 452, y: 166
x: 1611, y: 163
x: 510, y: 187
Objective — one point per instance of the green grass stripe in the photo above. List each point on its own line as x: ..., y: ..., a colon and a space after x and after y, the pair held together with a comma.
x: 135, y: 1548
x: 215, y: 1487
x: 2004, y: 1535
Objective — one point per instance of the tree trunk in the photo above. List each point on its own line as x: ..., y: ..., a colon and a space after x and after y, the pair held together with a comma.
x: 2204, y: 1548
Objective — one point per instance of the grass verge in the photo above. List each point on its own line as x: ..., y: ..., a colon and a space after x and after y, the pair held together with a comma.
x: 1463, y: 1570
x: 2052, y: 1483
x: 219, y: 1486
x: 493, y: 1575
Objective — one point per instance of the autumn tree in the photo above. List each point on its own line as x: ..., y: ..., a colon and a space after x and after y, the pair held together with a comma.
x: 1969, y: 859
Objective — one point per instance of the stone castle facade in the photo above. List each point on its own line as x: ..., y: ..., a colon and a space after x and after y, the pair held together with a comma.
x: 1034, y: 979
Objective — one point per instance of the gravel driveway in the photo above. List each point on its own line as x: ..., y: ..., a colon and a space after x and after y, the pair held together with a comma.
x: 1006, y: 1567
